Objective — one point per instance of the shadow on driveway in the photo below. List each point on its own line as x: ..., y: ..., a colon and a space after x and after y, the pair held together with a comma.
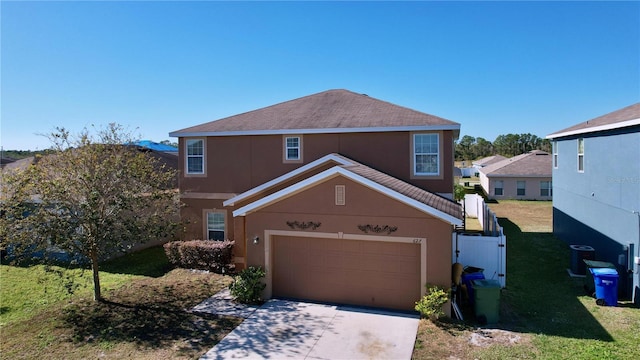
x: 282, y: 328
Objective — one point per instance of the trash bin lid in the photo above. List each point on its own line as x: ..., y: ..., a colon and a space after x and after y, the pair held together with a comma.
x: 598, y: 264
x: 485, y: 283
x: 582, y: 247
x: 604, y: 272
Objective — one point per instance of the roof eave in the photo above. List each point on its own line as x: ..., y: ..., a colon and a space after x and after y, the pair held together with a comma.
x: 336, y: 171
x: 256, y: 190
x: 613, y: 126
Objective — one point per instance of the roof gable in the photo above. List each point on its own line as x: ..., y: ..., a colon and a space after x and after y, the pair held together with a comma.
x: 628, y: 116
x: 399, y: 190
x: 327, y: 159
x: 535, y: 163
x: 330, y: 111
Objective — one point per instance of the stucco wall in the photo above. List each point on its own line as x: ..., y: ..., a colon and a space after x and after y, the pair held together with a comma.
x: 598, y: 207
x: 235, y: 164
x: 532, y: 187
x: 363, y: 206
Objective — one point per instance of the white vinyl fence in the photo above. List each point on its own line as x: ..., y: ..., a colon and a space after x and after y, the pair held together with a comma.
x: 486, y: 250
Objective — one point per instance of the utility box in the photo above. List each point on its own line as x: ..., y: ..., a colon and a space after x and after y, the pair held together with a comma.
x: 579, y: 253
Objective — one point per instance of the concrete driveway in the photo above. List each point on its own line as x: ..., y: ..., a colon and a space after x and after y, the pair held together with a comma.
x: 296, y: 330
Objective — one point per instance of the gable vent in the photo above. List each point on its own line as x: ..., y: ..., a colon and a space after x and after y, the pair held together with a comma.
x: 340, y: 195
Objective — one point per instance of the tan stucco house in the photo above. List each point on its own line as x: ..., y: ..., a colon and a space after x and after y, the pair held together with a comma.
x: 523, y: 177
x: 341, y: 197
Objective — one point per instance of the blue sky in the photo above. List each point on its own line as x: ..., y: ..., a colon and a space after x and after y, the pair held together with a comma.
x: 494, y: 67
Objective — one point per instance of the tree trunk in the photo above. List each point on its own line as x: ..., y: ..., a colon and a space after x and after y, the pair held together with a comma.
x: 96, y: 276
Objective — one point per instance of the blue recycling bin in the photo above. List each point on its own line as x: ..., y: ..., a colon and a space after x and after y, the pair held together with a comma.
x: 606, y: 284
x: 467, y: 279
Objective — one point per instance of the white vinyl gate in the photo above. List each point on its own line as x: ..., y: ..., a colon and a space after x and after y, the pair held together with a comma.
x: 486, y: 252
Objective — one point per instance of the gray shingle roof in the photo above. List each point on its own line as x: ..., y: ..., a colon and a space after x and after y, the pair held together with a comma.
x: 489, y: 160
x: 535, y: 163
x: 435, y: 201
x: 611, y: 120
x: 332, y: 109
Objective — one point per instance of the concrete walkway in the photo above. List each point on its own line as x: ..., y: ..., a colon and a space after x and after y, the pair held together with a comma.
x: 296, y: 330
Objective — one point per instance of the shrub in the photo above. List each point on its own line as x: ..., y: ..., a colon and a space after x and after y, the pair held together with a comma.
x: 431, y: 304
x: 216, y: 256
x: 247, y: 286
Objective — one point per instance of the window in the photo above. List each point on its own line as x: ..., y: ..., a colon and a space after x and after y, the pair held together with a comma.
x: 545, y: 188
x: 292, y: 148
x: 555, y: 154
x: 426, y: 154
x: 580, y: 155
x: 195, y: 156
x: 521, y: 188
x: 497, y: 188
x: 215, y: 226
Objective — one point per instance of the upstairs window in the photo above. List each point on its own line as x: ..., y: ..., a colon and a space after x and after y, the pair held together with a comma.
x: 195, y: 156
x: 521, y: 188
x: 555, y: 154
x: 426, y: 154
x: 215, y: 226
x: 580, y: 155
x: 292, y: 148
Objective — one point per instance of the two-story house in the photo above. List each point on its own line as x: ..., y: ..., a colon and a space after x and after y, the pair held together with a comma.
x: 596, y: 190
x: 339, y: 196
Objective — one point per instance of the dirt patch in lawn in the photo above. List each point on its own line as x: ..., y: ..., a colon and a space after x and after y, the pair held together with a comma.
x: 448, y: 340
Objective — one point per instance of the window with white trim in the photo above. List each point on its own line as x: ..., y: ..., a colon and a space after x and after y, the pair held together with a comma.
x: 195, y: 156
x: 498, y: 188
x: 580, y: 155
x: 545, y: 188
x: 555, y: 154
x: 215, y: 226
x: 292, y: 148
x: 521, y: 188
x: 426, y: 154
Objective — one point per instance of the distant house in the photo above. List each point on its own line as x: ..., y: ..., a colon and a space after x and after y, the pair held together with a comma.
x: 486, y: 161
x: 337, y: 195
x: 157, y: 146
x: 596, y: 190
x: 166, y: 160
x: 523, y: 177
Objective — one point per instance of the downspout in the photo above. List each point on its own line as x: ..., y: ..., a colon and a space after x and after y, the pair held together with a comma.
x: 634, y: 258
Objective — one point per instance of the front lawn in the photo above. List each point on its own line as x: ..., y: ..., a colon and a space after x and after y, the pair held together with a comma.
x: 544, y: 313
x: 144, y: 316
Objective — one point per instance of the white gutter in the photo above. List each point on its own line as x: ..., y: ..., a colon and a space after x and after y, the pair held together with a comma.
x: 617, y: 125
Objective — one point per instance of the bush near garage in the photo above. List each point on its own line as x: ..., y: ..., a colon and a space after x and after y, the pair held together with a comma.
x: 247, y: 286
x: 431, y: 304
x: 214, y: 256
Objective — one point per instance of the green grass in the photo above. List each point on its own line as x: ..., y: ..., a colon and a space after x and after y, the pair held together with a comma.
x: 25, y: 291
x: 144, y: 316
x: 541, y: 304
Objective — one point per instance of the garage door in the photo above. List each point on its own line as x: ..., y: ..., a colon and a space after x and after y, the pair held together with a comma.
x: 368, y: 273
